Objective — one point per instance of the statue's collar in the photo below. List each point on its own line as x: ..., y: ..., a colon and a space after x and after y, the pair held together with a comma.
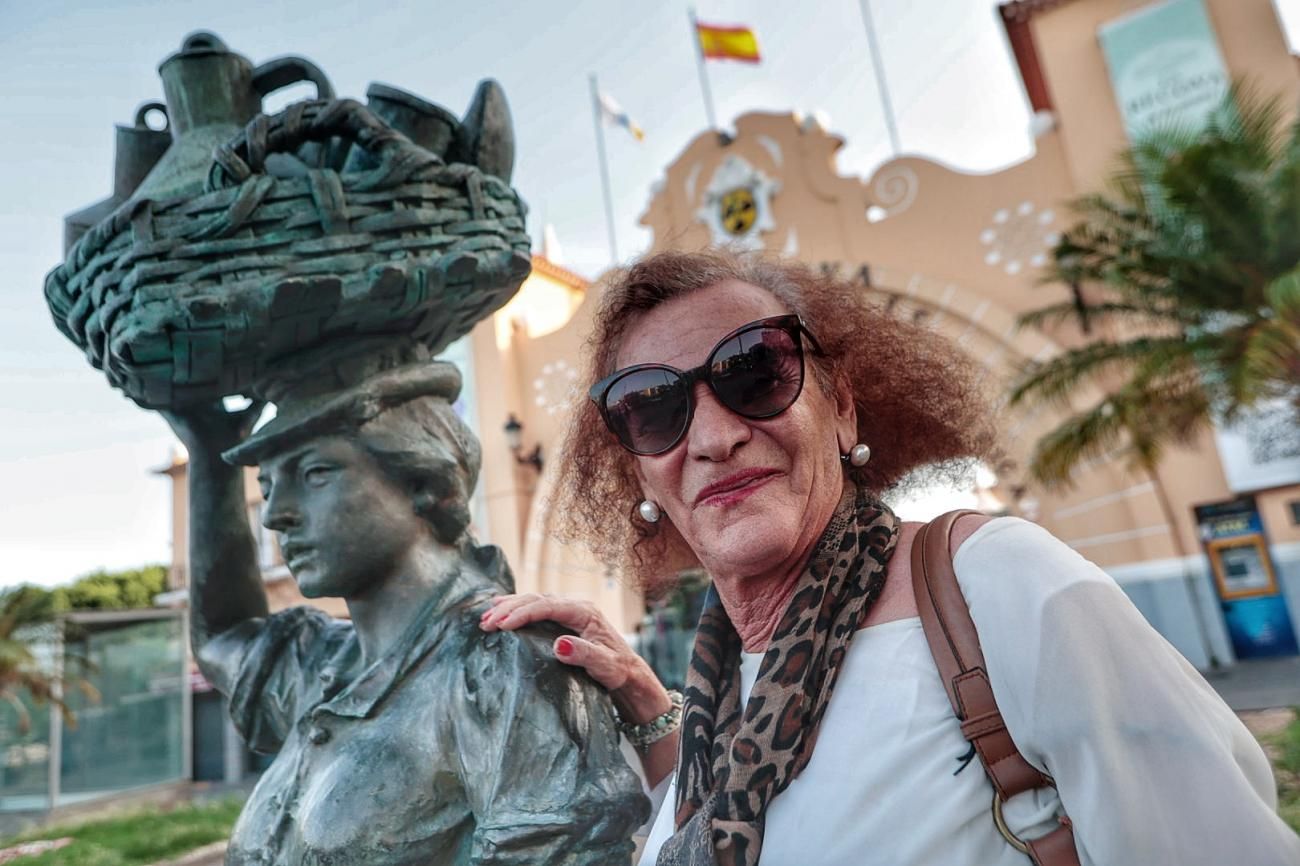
x: 485, y: 575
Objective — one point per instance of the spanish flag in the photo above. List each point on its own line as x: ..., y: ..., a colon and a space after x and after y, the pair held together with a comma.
x: 727, y: 43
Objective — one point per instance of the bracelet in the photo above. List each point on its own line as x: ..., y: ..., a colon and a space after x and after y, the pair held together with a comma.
x: 642, y: 736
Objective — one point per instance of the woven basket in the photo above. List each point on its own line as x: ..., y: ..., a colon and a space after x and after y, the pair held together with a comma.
x: 193, y: 299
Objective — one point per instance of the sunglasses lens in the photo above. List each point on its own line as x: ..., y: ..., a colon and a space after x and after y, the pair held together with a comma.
x: 647, y: 410
x: 758, y: 373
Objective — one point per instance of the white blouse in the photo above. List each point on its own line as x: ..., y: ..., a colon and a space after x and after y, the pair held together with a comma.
x: 1152, y: 767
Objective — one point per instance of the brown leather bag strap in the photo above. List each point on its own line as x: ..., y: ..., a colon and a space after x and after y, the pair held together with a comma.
x: 955, y: 645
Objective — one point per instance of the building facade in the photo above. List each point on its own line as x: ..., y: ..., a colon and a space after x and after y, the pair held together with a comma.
x: 1207, y: 546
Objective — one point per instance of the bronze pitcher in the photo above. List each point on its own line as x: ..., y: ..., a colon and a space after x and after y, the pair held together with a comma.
x: 211, y: 93
x: 137, y: 150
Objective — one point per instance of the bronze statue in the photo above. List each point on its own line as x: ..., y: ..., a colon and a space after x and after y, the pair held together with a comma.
x: 318, y: 263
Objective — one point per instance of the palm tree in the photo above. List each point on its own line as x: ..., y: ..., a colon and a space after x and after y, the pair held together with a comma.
x: 27, y: 617
x: 1191, y: 261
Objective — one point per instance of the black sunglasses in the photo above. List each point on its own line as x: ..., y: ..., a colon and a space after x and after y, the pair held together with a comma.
x: 755, y: 371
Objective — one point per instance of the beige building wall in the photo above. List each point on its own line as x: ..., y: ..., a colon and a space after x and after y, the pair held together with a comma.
x: 1255, y: 51
x: 533, y: 350
x: 1250, y: 38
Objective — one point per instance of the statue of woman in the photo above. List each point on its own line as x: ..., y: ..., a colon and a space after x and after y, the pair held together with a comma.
x: 406, y: 735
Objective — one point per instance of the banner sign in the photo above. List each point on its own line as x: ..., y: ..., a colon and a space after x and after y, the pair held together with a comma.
x: 1165, y: 65
x: 1262, y: 449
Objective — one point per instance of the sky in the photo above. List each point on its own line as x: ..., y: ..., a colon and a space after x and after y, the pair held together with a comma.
x: 77, y: 490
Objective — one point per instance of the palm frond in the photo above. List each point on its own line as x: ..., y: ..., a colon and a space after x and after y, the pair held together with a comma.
x: 1134, y: 424
x: 1084, y: 436
x: 1267, y: 364
x: 20, y: 709
x: 1195, y: 243
x: 1054, y: 380
x: 1100, y: 313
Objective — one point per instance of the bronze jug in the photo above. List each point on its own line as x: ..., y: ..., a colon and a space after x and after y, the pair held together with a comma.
x: 430, y: 126
x: 137, y: 150
x: 211, y: 93
x: 485, y: 137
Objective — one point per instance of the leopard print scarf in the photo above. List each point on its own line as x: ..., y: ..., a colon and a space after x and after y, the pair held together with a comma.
x: 735, y: 759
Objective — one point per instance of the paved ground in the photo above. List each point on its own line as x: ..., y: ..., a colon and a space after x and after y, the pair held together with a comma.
x: 1259, y: 685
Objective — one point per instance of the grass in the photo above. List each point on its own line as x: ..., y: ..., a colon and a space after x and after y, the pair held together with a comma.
x: 1284, y: 748
x: 134, y: 839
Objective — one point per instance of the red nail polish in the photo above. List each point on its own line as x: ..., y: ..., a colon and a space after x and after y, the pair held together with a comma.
x: 563, y: 647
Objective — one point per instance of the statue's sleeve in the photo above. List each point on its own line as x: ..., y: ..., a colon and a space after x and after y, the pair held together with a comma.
x: 262, y: 666
x: 540, y: 760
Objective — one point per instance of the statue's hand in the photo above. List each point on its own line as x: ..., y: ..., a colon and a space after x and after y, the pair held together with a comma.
x: 209, y: 428
x: 597, y: 647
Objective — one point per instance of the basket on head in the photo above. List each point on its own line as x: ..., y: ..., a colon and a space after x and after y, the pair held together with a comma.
x: 188, y: 300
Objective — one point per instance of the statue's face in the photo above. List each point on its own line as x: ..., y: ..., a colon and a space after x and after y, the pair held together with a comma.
x: 343, y: 525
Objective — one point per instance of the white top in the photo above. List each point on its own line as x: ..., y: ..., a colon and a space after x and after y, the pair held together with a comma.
x: 1152, y: 766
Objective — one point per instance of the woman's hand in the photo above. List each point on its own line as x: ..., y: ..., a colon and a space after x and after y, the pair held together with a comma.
x: 596, y: 647
x: 600, y: 650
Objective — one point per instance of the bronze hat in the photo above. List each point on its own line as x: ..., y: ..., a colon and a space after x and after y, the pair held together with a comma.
x: 343, y: 392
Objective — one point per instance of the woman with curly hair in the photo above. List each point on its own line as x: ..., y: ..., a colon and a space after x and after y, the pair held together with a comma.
x: 745, y: 416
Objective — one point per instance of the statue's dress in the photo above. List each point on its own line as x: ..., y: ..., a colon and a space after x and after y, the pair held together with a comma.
x: 457, y: 747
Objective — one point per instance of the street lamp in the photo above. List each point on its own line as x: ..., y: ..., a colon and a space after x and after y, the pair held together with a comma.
x: 515, y: 440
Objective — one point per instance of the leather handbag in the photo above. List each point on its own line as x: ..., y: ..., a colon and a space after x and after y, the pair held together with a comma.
x: 949, y: 630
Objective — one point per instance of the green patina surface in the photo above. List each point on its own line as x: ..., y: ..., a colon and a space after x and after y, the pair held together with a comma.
x: 317, y: 259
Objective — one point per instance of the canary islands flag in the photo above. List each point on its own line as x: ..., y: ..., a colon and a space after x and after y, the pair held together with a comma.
x: 727, y: 43
x: 614, y: 113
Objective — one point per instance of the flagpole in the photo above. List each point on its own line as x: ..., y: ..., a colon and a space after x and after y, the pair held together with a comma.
x: 704, y: 75
x: 881, y: 85
x: 604, y: 168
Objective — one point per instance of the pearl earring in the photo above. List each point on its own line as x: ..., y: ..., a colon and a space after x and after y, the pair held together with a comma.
x: 858, y: 456
x: 649, y: 510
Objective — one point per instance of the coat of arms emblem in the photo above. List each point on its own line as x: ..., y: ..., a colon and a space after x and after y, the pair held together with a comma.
x: 737, y: 204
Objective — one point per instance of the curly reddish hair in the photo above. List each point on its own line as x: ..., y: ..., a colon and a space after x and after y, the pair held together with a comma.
x: 919, y: 404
